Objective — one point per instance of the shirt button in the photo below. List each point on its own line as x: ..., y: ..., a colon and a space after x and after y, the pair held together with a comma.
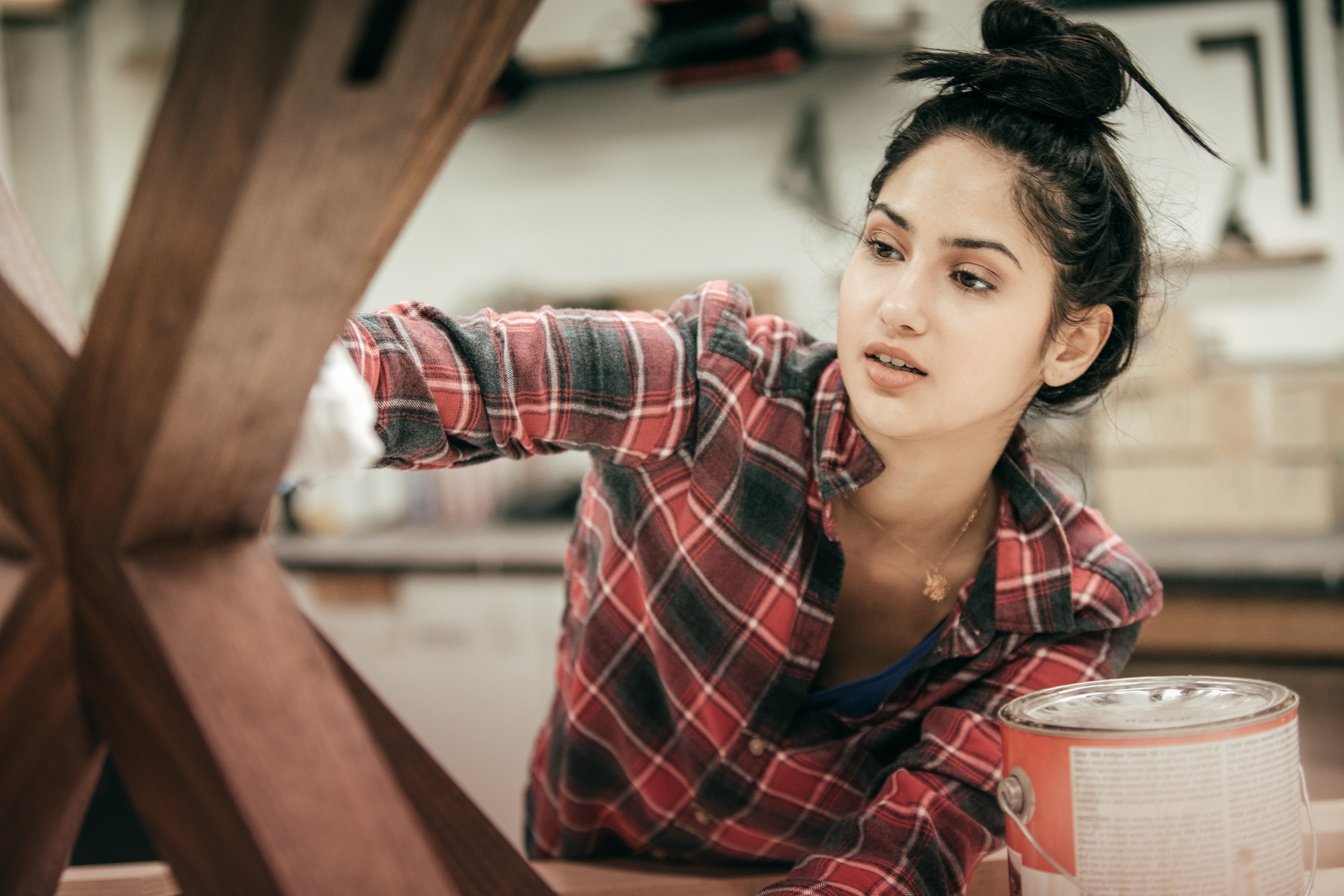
x: 658, y: 855
x: 756, y: 747
x: 701, y: 817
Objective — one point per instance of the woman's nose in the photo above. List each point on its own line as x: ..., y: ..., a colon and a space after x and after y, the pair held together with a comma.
x: 903, y: 308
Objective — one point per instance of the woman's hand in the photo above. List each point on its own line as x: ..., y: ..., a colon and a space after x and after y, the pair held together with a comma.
x: 337, y: 431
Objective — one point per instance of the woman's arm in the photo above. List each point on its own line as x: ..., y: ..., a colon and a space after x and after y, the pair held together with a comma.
x: 935, y: 816
x: 455, y: 390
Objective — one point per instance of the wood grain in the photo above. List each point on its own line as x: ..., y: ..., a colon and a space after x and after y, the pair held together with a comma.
x: 632, y: 878
x: 272, y: 186
x: 643, y: 878
x: 39, y: 336
x: 636, y: 878
x: 49, y: 756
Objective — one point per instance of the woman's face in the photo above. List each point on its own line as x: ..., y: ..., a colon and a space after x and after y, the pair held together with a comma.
x: 946, y: 280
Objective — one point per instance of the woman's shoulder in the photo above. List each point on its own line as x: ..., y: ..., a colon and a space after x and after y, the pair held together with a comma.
x: 778, y: 353
x: 1111, y: 583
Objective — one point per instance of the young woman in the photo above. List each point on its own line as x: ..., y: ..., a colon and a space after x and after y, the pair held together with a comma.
x: 805, y: 576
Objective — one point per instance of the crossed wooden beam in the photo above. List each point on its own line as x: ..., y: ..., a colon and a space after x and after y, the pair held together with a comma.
x: 140, y: 609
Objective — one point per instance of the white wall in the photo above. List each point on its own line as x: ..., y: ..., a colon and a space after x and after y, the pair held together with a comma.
x: 613, y: 184
x: 81, y: 93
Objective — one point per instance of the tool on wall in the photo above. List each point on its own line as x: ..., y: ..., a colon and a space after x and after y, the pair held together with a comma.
x: 1248, y: 44
x: 1295, y: 52
x: 801, y: 175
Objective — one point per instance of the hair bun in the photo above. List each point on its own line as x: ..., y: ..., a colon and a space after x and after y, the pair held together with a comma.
x: 1037, y: 61
x: 1006, y: 25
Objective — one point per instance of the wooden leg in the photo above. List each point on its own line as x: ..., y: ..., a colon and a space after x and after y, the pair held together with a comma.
x: 49, y: 756
x: 294, y: 140
x: 246, y: 756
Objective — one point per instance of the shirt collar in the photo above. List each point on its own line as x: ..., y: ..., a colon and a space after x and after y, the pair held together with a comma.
x: 1033, y: 562
x: 842, y: 458
x: 1025, y: 584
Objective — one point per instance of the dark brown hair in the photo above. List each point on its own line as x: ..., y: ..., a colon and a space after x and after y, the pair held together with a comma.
x: 1039, y: 93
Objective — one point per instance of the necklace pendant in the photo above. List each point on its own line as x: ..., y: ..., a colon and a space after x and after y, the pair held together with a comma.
x: 935, y: 586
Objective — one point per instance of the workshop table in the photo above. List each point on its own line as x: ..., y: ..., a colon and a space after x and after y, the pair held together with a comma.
x: 633, y: 878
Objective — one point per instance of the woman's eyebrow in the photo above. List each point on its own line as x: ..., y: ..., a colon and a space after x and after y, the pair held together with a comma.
x: 896, y: 217
x: 963, y: 242
x: 957, y: 242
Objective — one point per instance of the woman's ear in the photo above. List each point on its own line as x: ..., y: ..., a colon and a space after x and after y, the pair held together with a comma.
x: 1073, y: 349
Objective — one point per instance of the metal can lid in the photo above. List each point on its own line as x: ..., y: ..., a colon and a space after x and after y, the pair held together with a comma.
x: 1160, y: 703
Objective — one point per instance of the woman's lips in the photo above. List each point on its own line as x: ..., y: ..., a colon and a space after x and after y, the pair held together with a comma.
x: 896, y: 362
x: 891, y: 368
x: 889, y: 378
x: 893, y: 356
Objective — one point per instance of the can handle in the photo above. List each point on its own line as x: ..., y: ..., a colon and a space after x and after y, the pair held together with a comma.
x: 1017, y: 800
x: 1311, y: 827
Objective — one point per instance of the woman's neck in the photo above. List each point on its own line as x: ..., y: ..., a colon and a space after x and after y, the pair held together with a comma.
x: 929, y: 488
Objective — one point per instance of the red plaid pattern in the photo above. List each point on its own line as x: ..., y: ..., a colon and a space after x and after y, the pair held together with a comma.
x: 701, y: 578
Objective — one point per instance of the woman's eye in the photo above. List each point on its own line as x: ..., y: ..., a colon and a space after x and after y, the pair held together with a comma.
x: 968, y: 281
x: 879, y: 249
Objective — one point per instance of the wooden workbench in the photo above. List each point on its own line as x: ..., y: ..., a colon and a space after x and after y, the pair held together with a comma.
x: 623, y: 878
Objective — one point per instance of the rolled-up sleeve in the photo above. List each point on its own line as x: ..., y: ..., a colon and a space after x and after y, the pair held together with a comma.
x: 457, y: 390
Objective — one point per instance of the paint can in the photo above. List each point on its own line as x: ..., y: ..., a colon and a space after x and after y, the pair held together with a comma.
x: 1183, y: 785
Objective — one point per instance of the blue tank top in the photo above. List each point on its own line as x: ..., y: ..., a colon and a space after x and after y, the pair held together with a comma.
x: 865, y: 695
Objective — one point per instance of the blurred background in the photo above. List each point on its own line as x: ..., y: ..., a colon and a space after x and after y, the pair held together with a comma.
x: 634, y: 149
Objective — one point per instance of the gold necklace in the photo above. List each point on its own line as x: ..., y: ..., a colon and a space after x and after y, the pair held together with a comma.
x: 935, y: 583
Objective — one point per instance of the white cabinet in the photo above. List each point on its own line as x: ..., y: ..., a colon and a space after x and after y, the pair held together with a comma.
x: 465, y: 661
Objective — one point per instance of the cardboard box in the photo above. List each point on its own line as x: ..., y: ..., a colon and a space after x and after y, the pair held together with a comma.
x: 1304, y: 411
x: 1231, y: 495
x: 1170, y: 353
x: 1276, y: 412
x: 1204, y: 419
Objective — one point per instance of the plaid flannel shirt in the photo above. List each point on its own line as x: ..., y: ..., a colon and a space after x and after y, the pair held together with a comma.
x: 701, y: 582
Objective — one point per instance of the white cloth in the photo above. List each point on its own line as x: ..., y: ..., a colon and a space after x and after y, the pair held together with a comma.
x: 337, y: 433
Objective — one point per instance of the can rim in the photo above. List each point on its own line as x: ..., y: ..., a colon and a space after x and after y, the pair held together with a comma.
x: 1279, y: 701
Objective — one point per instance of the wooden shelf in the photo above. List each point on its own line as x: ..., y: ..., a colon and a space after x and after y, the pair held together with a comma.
x: 1254, y: 260
x: 834, y: 39
x: 518, y: 548
x: 1223, y: 559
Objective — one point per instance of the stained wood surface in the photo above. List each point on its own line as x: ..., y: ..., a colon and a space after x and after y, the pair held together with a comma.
x: 49, y: 757
x: 39, y: 337
x: 636, y: 878
x: 1299, y: 623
